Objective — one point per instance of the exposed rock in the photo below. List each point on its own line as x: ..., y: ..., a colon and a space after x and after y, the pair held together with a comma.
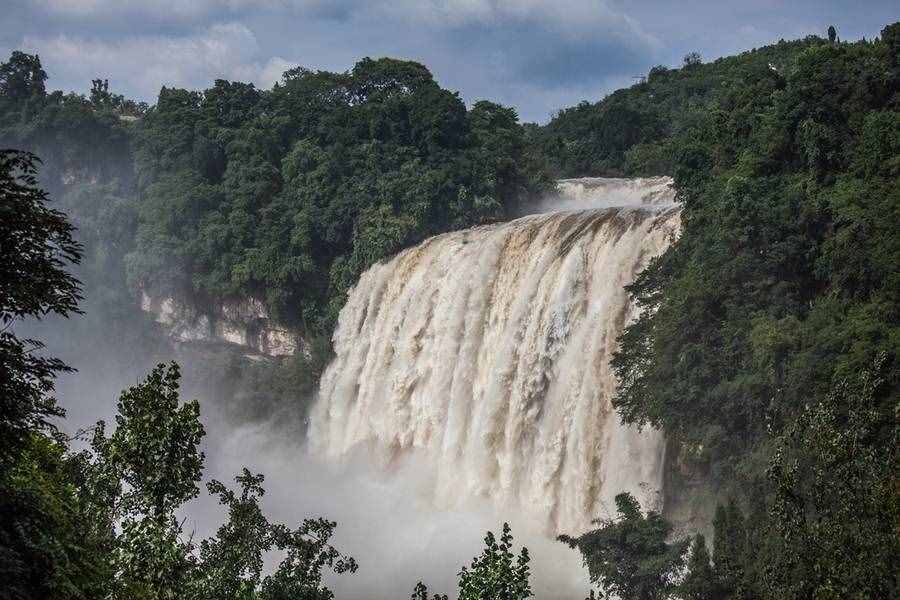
x: 244, y: 323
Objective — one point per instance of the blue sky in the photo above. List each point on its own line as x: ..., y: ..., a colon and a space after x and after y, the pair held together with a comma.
x: 536, y: 55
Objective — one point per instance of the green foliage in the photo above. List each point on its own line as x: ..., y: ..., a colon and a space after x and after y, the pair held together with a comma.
x: 630, y: 557
x: 234, y: 556
x: 421, y: 593
x: 231, y: 563
x: 497, y: 574
x: 783, y: 281
x: 52, y: 543
x: 22, y: 78
x: 288, y: 195
x: 732, y: 553
x: 786, y: 272
x: 637, y: 131
x: 284, y: 195
x: 154, y: 447
x: 700, y: 582
x: 36, y: 245
x: 299, y: 575
x: 836, y: 512
x: 151, y: 464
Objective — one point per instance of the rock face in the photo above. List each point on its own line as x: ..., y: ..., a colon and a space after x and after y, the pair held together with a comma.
x: 243, y: 323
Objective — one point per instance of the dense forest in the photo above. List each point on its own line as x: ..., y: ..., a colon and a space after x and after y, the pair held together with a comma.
x: 769, y: 348
x: 767, y: 351
x: 286, y: 195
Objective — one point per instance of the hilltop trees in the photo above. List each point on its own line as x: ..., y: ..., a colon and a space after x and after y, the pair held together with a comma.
x: 22, y: 77
x: 782, y: 285
x: 635, y: 131
x: 284, y: 194
x: 290, y: 194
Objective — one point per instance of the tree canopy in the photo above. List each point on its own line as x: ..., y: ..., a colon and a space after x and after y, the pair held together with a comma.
x: 630, y: 557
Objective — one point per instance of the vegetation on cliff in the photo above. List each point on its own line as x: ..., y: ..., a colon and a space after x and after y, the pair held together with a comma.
x: 781, y: 290
x: 285, y: 195
x: 768, y: 348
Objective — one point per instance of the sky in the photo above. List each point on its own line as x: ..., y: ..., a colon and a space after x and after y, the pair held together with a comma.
x: 536, y: 55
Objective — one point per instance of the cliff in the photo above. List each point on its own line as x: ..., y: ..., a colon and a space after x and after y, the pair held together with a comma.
x: 243, y: 322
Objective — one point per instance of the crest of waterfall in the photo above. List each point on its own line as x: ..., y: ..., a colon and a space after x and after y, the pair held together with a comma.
x: 487, y: 353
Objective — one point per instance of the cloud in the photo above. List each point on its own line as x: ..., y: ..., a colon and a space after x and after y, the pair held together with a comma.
x: 142, y: 64
x: 578, y: 13
x: 526, y: 53
x: 180, y: 12
x: 538, y: 55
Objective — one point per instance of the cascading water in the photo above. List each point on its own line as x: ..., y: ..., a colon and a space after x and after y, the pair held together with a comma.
x: 487, y: 352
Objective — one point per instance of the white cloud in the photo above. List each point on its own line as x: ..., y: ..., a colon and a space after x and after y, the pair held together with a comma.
x: 144, y: 63
x: 171, y: 10
x: 581, y: 17
x: 273, y: 70
x: 529, y: 53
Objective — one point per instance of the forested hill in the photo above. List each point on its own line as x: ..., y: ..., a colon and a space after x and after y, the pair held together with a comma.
x: 768, y: 350
x: 630, y: 131
x: 287, y: 194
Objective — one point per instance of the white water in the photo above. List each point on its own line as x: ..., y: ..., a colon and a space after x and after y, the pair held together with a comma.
x: 485, y: 354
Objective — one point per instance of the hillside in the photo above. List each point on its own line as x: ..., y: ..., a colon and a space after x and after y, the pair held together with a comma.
x: 283, y: 195
x: 629, y: 132
x: 768, y: 343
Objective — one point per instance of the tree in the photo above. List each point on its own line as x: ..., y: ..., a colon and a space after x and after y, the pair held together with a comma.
x: 784, y: 278
x: 731, y: 551
x: 497, y: 574
x: 155, y: 445
x: 154, y: 455
x: 836, y: 512
x: 56, y: 535
x: 52, y: 539
x: 692, y: 59
x: 832, y: 34
x: 308, y: 553
x: 231, y: 563
x: 22, y: 77
x: 421, y: 593
x: 36, y: 246
x: 232, y: 560
x: 700, y: 582
x: 629, y: 557
x: 152, y: 464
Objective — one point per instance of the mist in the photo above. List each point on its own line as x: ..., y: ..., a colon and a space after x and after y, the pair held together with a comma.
x: 386, y: 518
x: 587, y: 193
x: 390, y: 516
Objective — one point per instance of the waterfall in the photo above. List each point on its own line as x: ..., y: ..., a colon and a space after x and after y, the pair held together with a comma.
x: 487, y: 353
